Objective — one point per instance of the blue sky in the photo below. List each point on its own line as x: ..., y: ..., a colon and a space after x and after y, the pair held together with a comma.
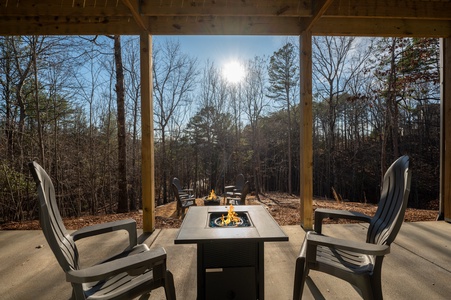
x: 223, y: 49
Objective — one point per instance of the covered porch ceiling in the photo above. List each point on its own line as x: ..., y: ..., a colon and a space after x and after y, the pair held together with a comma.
x: 226, y: 17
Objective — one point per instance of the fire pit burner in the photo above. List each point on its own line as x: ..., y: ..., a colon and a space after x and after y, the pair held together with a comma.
x: 220, y: 222
x: 215, y: 220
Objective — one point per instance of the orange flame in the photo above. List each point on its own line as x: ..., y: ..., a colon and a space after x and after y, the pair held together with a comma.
x: 232, y: 217
x: 212, y: 195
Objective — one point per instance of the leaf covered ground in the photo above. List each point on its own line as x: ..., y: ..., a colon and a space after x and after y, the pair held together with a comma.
x: 283, y: 207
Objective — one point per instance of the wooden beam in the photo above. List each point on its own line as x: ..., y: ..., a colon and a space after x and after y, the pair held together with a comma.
x: 381, y: 27
x: 147, y: 146
x: 223, y: 26
x: 68, y: 26
x: 192, y: 8
x: 445, y: 132
x: 318, y: 9
x: 64, y: 8
x: 288, y: 8
x: 427, y: 10
x: 134, y: 9
x: 211, y: 25
x: 291, y: 8
x: 306, y: 137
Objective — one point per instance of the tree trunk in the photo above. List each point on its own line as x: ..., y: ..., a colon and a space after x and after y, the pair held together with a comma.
x: 122, y: 151
x: 36, y: 96
x: 290, y: 189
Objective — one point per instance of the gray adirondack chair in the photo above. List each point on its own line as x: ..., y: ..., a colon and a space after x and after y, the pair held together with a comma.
x: 239, y: 198
x: 183, y: 193
x: 234, y: 190
x: 184, y: 201
x: 358, y: 263
x: 134, y: 272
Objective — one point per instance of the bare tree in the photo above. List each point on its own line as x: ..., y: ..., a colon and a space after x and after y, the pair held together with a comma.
x: 174, y: 79
x: 335, y: 63
x: 220, y: 99
x: 284, y: 80
x: 255, y: 101
x: 133, y: 92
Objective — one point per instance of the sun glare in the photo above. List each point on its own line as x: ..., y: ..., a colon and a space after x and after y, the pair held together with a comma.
x: 233, y: 72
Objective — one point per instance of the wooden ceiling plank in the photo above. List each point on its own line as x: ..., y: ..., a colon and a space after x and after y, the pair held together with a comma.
x: 390, y: 9
x: 382, y: 27
x: 224, y: 26
x: 69, y: 12
x: 71, y: 26
x: 55, y: 8
x: 287, y: 8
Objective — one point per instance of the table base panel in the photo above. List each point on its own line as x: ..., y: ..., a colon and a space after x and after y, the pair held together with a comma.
x: 231, y: 283
x: 230, y: 270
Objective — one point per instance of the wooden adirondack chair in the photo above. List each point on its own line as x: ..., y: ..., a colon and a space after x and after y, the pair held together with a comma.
x: 239, y: 198
x: 134, y: 272
x: 183, y: 193
x: 358, y: 263
x: 184, y: 201
x: 234, y: 190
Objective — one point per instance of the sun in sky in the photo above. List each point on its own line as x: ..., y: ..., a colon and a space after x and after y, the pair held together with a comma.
x: 233, y: 72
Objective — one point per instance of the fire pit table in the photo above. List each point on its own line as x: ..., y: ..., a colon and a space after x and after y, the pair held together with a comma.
x: 230, y: 258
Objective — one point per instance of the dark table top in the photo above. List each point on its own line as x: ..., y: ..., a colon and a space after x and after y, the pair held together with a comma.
x: 195, y: 228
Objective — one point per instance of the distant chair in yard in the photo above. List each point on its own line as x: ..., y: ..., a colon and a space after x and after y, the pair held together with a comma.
x: 239, y: 198
x: 358, y: 263
x: 134, y: 272
x: 184, y: 201
x: 181, y: 191
x: 235, y: 190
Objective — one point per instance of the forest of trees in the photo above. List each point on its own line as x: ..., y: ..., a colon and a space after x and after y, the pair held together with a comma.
x: 73, y: 105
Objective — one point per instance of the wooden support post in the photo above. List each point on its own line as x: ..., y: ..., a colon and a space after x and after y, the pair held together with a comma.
x: 147, y: 146
x: 445, y: 132
x: 306, y: 184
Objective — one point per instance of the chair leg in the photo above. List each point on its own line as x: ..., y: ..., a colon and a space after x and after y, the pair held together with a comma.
x: 169, y: 288
x: 376, y: 285
x: 372, y: 289
x: 300, y: 274
x: 368, y: 286
x: 145, y: 296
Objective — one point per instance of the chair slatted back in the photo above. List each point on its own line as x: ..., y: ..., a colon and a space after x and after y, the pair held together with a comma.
x: 177, y: 183
x: 52, y: 225
x: 175, y: 190
x: 244, y: 192
x: 389, y: 216
x: 239, y: 182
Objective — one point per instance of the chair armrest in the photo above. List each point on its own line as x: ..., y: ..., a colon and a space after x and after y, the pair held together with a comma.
x: 322, y: 213
x: 313, y: 240
x: 229, y: 188
x: 188, y: 201
x: 141, y: 261
x: 129, y: 225
x: 183, y: 195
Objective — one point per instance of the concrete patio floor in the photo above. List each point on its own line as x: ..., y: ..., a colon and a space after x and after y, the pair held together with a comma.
x: 418, y: 267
